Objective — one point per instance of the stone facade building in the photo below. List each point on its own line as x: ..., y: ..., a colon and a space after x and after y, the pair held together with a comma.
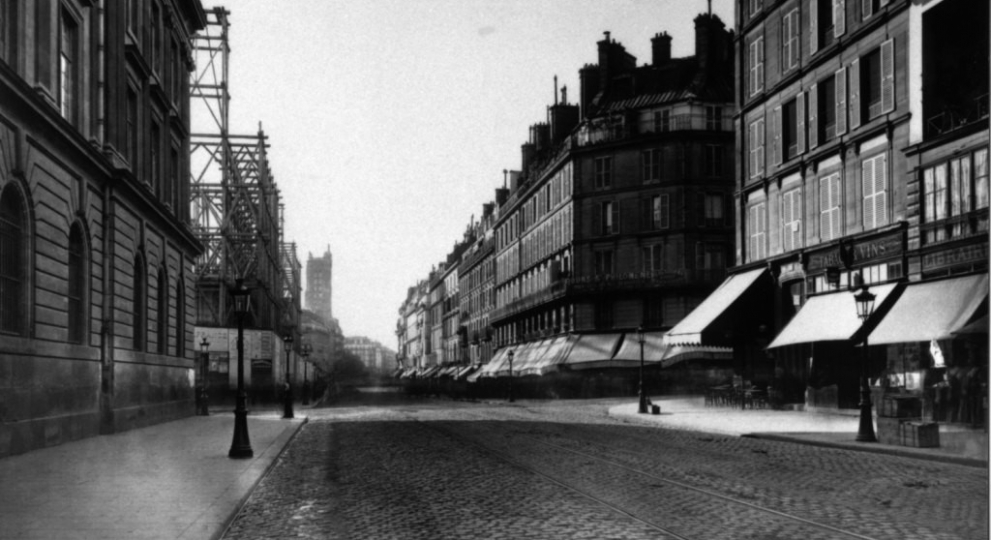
x: 96, y: 298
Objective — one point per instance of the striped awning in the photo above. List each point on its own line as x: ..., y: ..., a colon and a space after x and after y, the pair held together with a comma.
x: 592, y: 351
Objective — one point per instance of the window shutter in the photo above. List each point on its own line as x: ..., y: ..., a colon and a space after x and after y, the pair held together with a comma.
x: 868, y: 186
x: 866, y: 9
x: 813, y: 112
x: 752, y: 64
x: 825, y: 227
x: 839, y: 17
x: 814, y: 25
x: 796, y: 216
x: 795, y: 36
x: 888, y: 76
x: 760, y: 63
x: 854, y: 82
x: 700, y: 209
x: 761, y: 141
x: 752, y: 232
x: 800, y: 121
x: 836, y: 201
x: 776, y: 152
x: 615, y: 218
x: 665, y: 212
x: 880, y: 193
x: 786, y: 221
x: 841, y: 101
x: 752, y: 144
x: 883, y: 3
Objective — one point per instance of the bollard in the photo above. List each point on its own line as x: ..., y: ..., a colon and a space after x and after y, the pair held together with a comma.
x: 655, y: 409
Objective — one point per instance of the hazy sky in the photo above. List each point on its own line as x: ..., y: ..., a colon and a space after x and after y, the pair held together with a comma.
x: 390, y: 121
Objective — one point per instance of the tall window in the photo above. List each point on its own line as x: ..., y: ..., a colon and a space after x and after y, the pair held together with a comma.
x: 791, y: 219
x: 603, y: 172
x: 604, y: 262
x: 950, y: 190
x: 790, y: 132
x: 713, y: 118
x: 874, y: 182
x: 609, y: 217
x: 68, y: 69
x: 827, y: 21
x: 830, y: 207
x: 826, y: 90
x: 77, y: 285
x: 756, y: 143
x: 180, y: 317
x: 651, y: 258
x: 138, y: 301
x: 710, y: 256
x: 714, y: 155
x: 711, y: 210
x: 12, y: 273
x: 757, y: 231
x: 156, y: 159
x: 177, y: 72
x: 163, y: 311
x: 155, y: 37
x: 789, y: 40
x: 662, y: 120
x: 131, y: 121
x: 755, y: 58
x: 655, y: 212
x: 877, y: 81
x: 868, y: 8
x: 650, y: 165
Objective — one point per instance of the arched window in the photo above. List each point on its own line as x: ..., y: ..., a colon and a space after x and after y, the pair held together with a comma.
x: 180, y: 317
x: 163, y: 311
x: 13, y: 283
x: 139, y: 303
x: 78, y: 264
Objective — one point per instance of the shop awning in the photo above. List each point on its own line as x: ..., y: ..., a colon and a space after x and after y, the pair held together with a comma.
x: 682, y: 353
x: 829, y: 317
x: 979, y: 326
x: 532, y: 359
x: 495, y: 363
x: 932, y: 310
x: 653, y: 347
x: 465, y: 371
x: 521, y: 355
x: 708, y: 323
x: 555, y: 354
x: 594, y: 351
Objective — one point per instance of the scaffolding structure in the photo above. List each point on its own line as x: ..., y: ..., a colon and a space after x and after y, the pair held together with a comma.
x: 236, y: 205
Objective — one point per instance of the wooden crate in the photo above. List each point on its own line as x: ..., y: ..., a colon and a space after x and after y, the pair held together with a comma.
x: 920, y: 434
x: 889, y: 430
x: 900, y: 406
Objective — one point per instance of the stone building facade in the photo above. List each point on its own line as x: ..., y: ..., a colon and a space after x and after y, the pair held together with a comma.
x: 96, y: 299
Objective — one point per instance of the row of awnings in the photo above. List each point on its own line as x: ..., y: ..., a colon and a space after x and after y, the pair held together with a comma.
x: 593, y: 351
x: 456, y: 371
x: 903, y: 313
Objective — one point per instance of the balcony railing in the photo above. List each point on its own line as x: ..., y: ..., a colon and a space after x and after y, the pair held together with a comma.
x: 617, y: 128
x: 969, y: 224
x: 955, y: 117
x: 611, y: 282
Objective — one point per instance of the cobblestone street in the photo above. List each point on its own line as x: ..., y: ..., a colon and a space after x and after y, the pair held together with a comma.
x: 565, y: 469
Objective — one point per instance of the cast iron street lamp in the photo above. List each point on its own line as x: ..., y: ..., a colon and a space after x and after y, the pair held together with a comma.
x: 287, y: 406
x: 865, y: 306
x: 201, y: 396
x: 241, y: 445
x: 643, y: 397
x: 511, y: 376
x: 305, y: 353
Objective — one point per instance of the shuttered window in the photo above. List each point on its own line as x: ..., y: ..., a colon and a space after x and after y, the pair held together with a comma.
x: 756, y: 63
x: 756, y: 142
x: 757, y: 228
x: 830, y: 207
x: 791, y: 220
x: 875, y: 196
x: 789, y: 39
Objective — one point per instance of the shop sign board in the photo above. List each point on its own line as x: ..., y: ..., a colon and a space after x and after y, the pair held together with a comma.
x: 955, y: 256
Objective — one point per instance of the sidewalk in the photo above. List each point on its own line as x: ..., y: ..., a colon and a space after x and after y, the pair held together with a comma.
x: 171, y: 480
x: 967, y: 447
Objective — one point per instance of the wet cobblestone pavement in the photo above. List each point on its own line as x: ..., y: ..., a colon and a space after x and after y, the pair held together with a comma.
x: 450, y: 470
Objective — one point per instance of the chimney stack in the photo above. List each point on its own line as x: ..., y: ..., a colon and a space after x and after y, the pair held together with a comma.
x: 661, y: 48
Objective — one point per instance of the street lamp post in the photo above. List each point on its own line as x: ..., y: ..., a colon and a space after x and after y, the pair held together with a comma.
x: 305, y: 353
x: 203, y: 408
x: 865, y: 432
x: 511, y: 376
x: 241, y: 444
x: 643, y: 397
x: 287, y: 406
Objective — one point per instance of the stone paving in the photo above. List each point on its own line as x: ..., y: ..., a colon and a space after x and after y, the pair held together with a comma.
x: 438, y: 470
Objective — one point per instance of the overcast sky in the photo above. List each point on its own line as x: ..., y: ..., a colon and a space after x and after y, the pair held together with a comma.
x: 390, y: 121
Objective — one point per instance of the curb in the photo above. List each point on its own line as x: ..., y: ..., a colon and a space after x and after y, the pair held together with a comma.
x: 872, y: 448
x: 282, y: 442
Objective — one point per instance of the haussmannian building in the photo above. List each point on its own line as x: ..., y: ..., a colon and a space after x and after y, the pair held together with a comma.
x: 622, y: 215
x: 96, y: 297
x: 862, y: 152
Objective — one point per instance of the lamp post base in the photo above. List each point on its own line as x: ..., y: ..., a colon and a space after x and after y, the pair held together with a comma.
x: 241, y: 444
x: 287, y: 411
x: 865, y: 431
x: 643, y: 403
